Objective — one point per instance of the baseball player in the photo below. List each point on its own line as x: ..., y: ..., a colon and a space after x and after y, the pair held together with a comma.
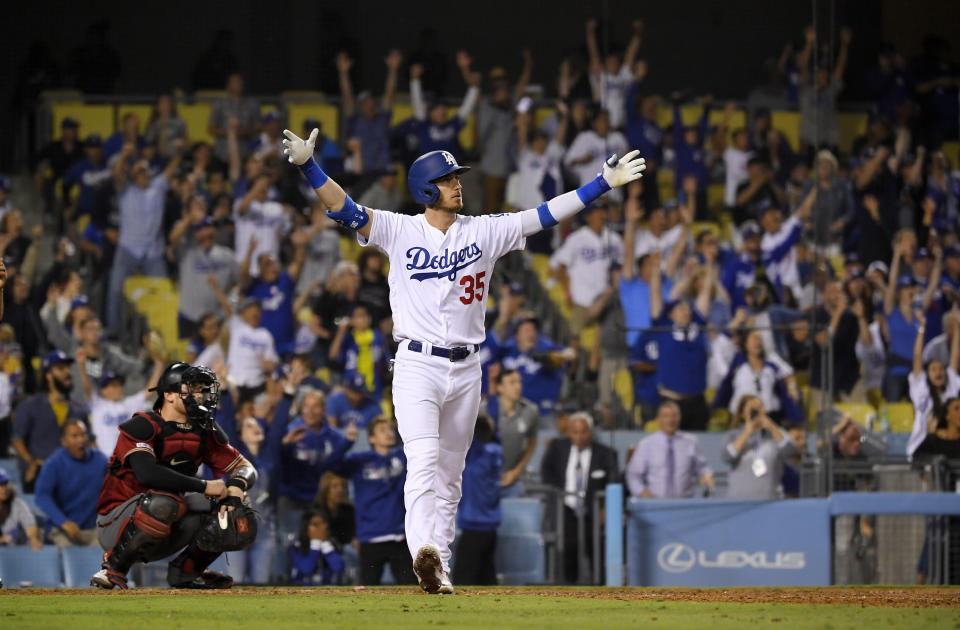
x: 152, y: 505
x: 441, y: 263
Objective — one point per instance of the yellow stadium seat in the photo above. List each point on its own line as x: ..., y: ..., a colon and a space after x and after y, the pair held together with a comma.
x: 704, y: 226
x: 469, y: 132
x: 197, y: 118
x: 179, y: 349
x: 787, y: 123
x: 588, y: 337
x: 143, y: 112
x: 623, y: 387
x: 690, y: 114
x: 559, y: 297
x: 715, y: 193
x: 541, y: 114
x: 349, y: 248
x: 386, y: 406
x: 837, y: 263
x: 852, y: 126
x: 651, y: 426
x: 540, y: 263
x: 138, y: 286
x: 92, y: 118
x: 304, y: 315
x: 401, y: 111
x: 327, y: 115
x: 738, y: 120
x: 323, y: 374
x: 900, y: 417
x: 719, y: 420
x: 858, y: 411
x: 951, y: 150
x: 302, y: 95
x: 160, y: 309
x: 666, y: 181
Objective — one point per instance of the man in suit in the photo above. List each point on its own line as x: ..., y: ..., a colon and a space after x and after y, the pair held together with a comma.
x: 579, y: 467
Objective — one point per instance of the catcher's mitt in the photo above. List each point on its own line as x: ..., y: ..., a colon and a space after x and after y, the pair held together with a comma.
x: 233, y: 530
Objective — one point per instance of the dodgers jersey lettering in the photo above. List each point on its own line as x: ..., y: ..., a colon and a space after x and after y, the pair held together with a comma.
x: 439, y: 281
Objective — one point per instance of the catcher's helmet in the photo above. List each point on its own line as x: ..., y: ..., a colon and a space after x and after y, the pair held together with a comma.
x: 202, y: 394
x: 427, y: 169
x: 169, y: 381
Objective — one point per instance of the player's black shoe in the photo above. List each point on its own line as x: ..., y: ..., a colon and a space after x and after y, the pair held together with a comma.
x: 428, y: 568
x: 208, y: 580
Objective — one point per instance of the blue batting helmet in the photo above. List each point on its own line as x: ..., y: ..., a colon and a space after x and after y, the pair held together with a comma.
x: 427, y: 169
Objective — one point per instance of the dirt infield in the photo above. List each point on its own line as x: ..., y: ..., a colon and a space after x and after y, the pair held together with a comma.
x: 891, y: 597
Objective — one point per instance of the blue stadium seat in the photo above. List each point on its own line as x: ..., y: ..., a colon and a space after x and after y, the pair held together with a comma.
x: 521, y: 559
x: 9, y: 464
x: 79, y: 563
x: 520, y: 516
x: 24, y: 566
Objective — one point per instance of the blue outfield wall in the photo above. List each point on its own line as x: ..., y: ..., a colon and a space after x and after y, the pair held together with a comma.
x: 710, y: 542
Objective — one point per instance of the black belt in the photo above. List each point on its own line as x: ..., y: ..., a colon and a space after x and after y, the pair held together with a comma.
x: 457, y: 353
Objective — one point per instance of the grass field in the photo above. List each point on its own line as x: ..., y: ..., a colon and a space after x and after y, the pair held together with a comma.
x: 498, y: 609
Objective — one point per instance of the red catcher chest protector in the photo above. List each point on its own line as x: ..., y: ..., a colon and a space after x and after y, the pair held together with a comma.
x: 177, y: 445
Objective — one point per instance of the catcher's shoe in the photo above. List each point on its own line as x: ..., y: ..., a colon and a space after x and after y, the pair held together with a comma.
x: 109, y: 578
x: 208, y: 580
x: 446, y: 586
x: 428, y: 569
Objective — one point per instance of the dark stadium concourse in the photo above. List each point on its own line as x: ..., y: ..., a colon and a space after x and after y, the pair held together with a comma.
x: 728, y: 357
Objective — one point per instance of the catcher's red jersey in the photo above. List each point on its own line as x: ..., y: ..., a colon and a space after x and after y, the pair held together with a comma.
x: 180, y: 446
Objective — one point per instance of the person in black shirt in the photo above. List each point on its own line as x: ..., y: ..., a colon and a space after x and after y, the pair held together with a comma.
x: 833, y: 320
x: 758, y: 193
x: 374, y: 292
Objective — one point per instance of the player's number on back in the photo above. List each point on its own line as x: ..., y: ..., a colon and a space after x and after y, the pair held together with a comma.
x: 472, y: 288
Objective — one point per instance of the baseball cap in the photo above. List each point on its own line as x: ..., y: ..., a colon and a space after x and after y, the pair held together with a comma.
x: 749, y: 229
x: 907, y: 281
x: 516, y: 288
x: 93, y: 140
x: 854, y: 273
x: 80, y: 300
x: 270, y: 116
x: 69, y: 122
x: 311, y: 124
x: 852, y: 259
x: 4, y: 183
x: 952, y: 251
x: 923, y: 252
x: 54, y: 357
x: 205, y: 222
x: 878, y: 265
x: 497, y: 74
x: 356, y: 382
x: 670, y: 204
x: 110, y: 376
x: 4, y: 477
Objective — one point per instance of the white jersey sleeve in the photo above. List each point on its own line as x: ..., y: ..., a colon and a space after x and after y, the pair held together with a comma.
x: 503, y: 233
x: 565, y: 253
x: 384, y: 230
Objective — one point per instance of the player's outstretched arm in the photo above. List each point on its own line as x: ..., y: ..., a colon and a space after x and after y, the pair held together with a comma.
x: 615, y: 173
x: 343, y: 210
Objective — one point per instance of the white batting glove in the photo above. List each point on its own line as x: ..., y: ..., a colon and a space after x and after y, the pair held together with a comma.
x: 297, y: 150
x: 625, y: 170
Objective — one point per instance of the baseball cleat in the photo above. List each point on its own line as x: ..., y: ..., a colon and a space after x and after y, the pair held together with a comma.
x: 427, y: 567
x: 208, y: 580
x: 107, y: 578
x: 446, y: 586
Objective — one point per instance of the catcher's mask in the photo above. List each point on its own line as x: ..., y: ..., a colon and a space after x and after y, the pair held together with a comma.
x: 200, y: 392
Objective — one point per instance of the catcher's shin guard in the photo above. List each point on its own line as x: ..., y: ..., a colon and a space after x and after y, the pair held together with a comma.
x: 188, y: 569
x: 149, y: 524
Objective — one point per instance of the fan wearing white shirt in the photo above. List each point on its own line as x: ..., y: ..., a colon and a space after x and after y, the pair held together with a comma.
x: 251, y: 355
x: 735, y: 160
x: 538, y: 176
x: 260, y: 220
x: 109, y: 407
x: 590, y: 148
x: 583, y: 262
x: 658, y: 236
x: 611, y: 78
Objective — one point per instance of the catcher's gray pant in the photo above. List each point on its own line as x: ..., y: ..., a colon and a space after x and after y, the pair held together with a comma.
x: 109, y: 526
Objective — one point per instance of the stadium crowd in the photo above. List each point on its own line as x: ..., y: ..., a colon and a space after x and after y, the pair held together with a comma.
x: 719, y: 306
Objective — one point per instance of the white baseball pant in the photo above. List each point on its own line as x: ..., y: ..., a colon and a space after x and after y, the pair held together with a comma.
x: 436, y: 402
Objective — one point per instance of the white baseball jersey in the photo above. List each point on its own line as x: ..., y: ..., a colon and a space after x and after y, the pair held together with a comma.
x: 439, y: 281
x: 247, y: 346
x: 106, y: 416
x: 587, y: 257
x: 267, y: 220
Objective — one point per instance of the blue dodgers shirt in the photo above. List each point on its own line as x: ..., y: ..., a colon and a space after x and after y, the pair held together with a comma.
x: 480, y: 504
x: 682, y: 366
x: 339, y: 407
x: 303, y: 463
x: 276, y: 301
x: 377, y: 491
x: 67, y: 489
x: 645, y: 383
x: 635, y: 298
x: 541, y: 384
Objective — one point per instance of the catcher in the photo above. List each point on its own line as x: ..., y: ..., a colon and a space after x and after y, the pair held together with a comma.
x: 152, y: 505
